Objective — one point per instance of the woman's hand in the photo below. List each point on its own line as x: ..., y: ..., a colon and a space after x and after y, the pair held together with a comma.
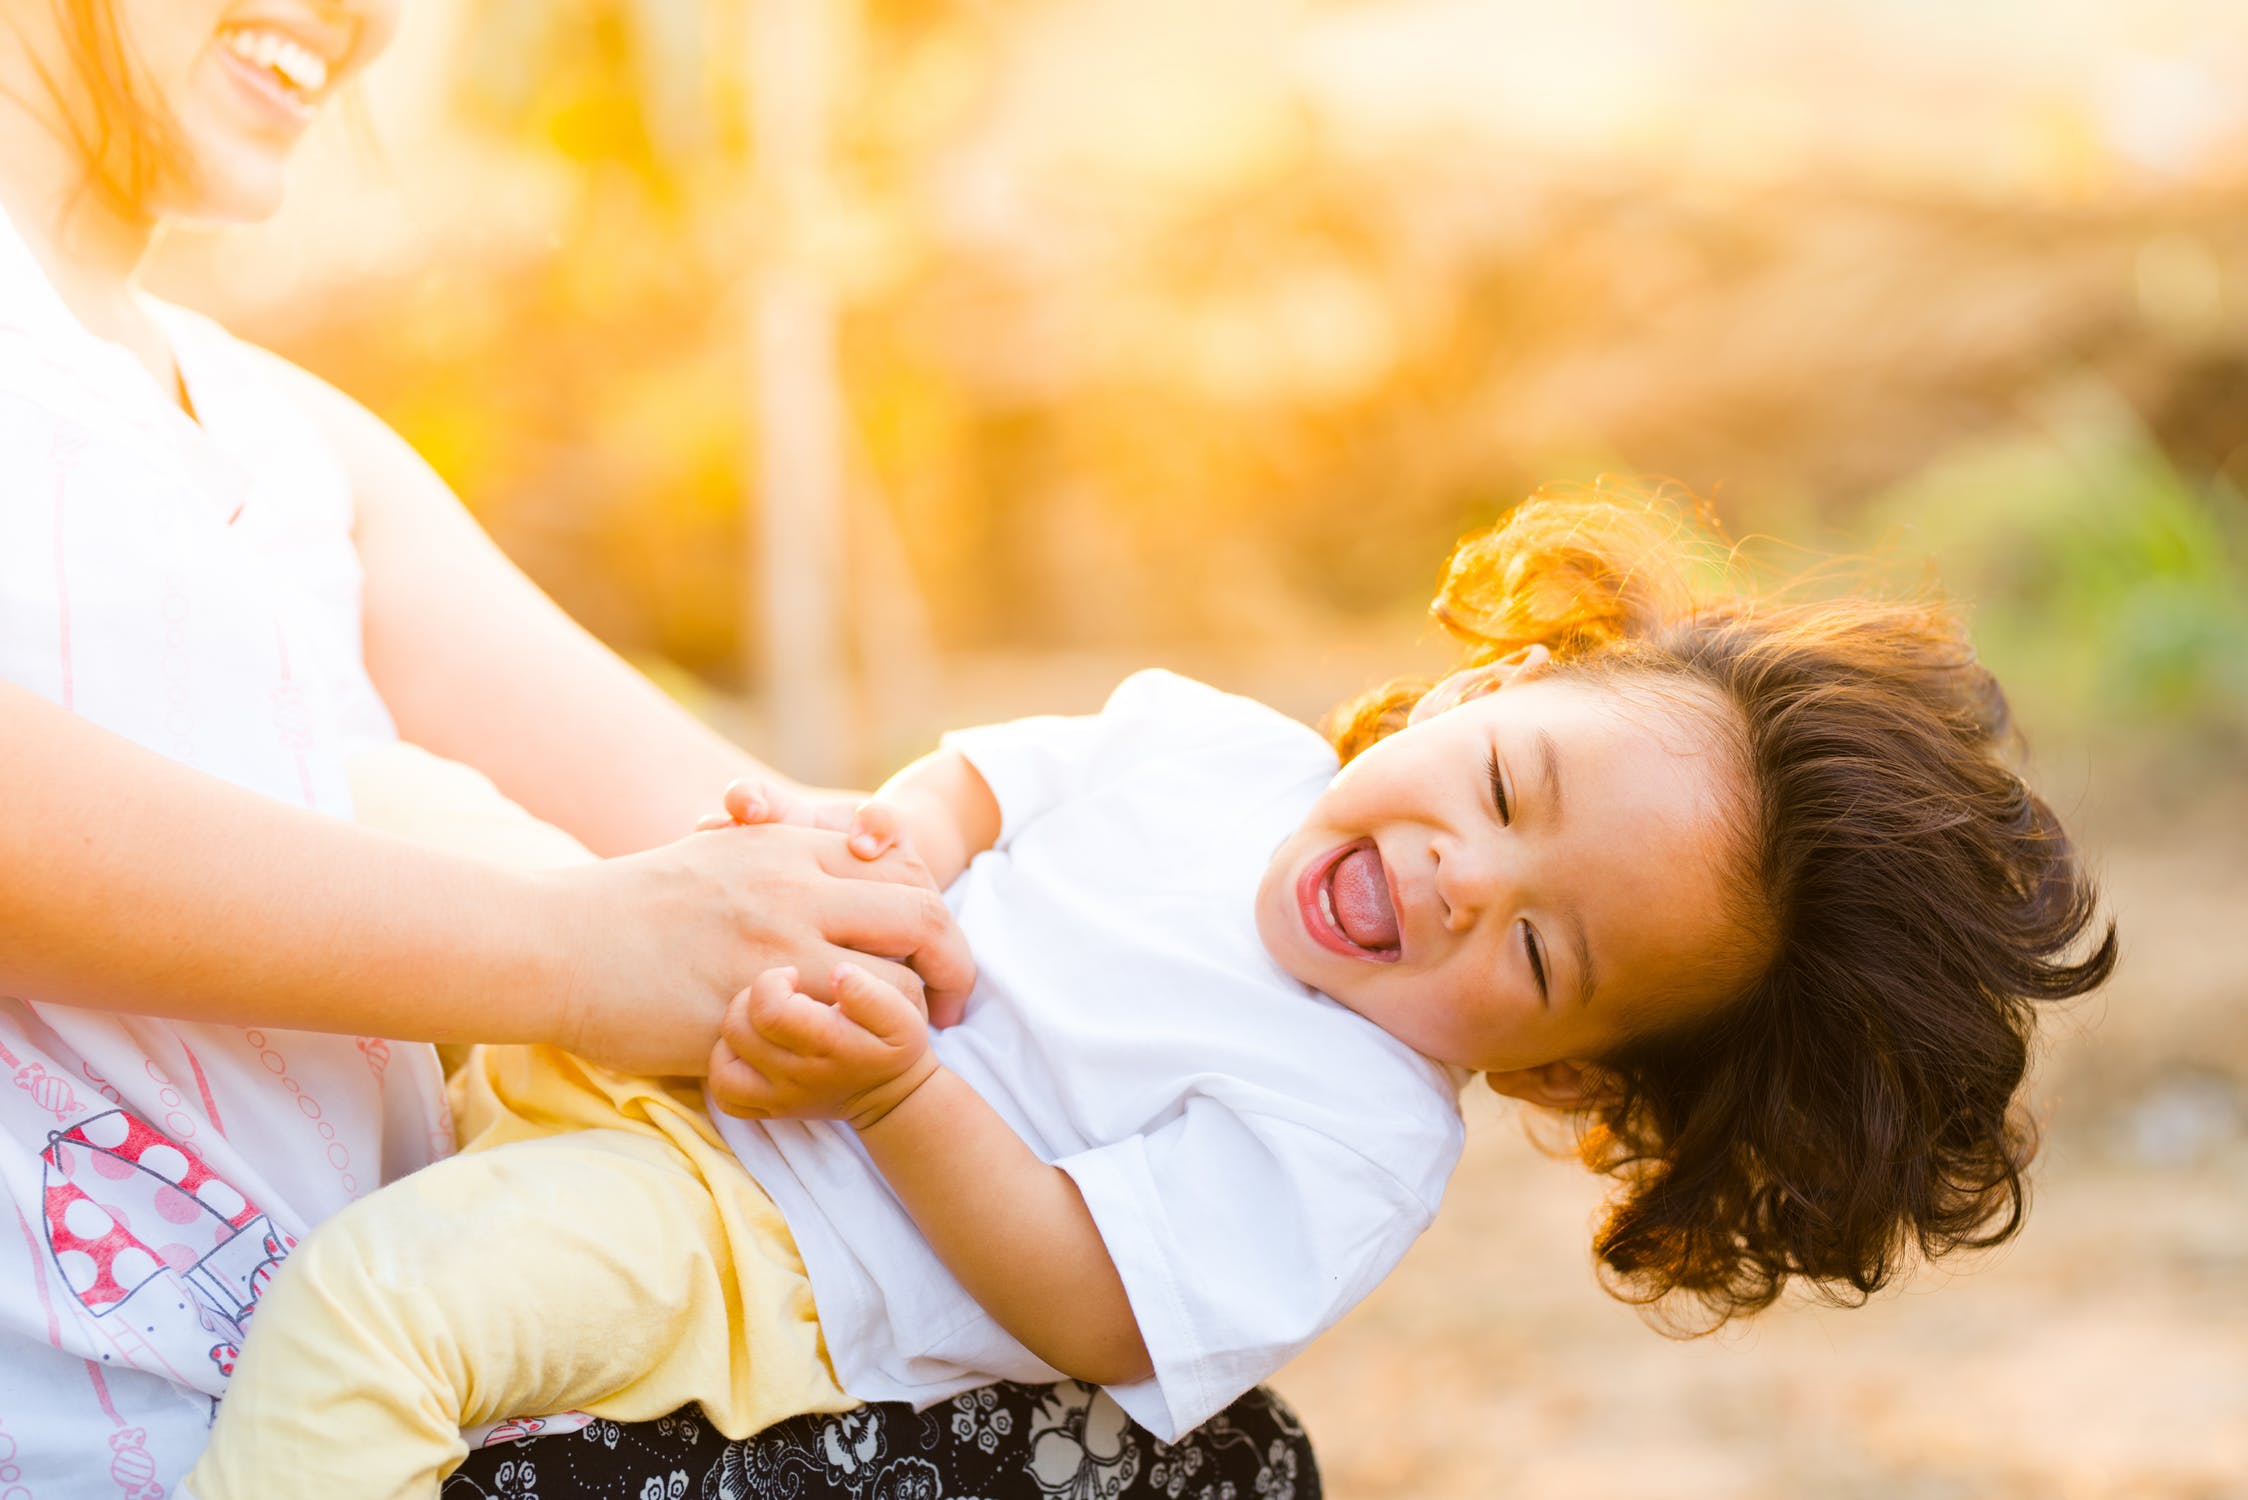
x: 785, y: 1055
x: 663, y: 941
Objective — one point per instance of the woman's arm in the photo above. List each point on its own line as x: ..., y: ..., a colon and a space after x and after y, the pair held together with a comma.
x: 130, y: 882
x: 479, y: 666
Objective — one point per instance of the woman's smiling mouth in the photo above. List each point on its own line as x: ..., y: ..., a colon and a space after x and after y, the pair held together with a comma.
x: 286, y: 71
x: 1345, y: 903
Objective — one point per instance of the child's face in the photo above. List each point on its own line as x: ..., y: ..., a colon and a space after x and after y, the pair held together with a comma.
x: 1517, y: 942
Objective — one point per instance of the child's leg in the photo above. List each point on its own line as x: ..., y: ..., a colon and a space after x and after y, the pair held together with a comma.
x: 538, y: 1277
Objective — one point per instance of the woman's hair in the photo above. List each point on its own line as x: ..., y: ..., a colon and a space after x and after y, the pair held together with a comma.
x: 1856, y: 1098
x: 125, y: 139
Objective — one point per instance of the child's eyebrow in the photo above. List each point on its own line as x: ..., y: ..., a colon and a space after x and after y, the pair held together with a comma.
x: 1578, y: 945
x: 1549, y: 768
x: 1549, y: 772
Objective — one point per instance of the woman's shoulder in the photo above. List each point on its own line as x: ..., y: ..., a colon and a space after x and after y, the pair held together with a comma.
x: 379, y: 468
x: 77, y: 396
x: 224, y: 363
x: 378, y: 463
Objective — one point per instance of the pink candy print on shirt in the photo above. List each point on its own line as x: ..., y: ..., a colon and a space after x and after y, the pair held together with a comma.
x: 338, y: 1154
x: 291, y: 718
x: 50, y: 1091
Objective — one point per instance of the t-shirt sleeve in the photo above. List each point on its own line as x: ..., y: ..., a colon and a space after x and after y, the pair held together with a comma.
x: 1031, y: 765
x: 1034, y: 765
x: 1239, y: 1238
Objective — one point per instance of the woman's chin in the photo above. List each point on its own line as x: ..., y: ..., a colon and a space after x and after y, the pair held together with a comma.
x: 231, y: 191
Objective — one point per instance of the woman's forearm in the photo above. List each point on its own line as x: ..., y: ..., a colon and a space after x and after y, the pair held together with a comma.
x: 481, y: 667
x: 1014, y: 1229
x: 478, y: 666
x: 130, y: 882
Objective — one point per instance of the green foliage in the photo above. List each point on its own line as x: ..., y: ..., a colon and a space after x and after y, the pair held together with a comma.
x: 2108, y: 591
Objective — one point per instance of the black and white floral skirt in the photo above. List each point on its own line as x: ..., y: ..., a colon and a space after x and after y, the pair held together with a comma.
x: 1002, y: 1442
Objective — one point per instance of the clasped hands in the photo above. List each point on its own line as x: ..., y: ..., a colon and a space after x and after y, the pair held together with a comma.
x: 785, y: 1053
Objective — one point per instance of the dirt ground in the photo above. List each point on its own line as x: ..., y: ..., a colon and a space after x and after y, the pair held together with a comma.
x: 2102, y: 1354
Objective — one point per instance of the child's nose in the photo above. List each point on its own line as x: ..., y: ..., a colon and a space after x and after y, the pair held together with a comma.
x: 1473, y: 881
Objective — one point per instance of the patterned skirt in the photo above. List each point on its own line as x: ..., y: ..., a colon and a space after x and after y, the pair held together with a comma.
x: 1002, y: 1442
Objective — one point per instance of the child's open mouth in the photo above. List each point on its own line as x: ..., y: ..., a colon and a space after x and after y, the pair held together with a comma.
x: 1345, y: 903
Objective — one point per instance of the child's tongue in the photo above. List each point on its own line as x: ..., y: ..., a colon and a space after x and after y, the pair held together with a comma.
x: 1362, y: 908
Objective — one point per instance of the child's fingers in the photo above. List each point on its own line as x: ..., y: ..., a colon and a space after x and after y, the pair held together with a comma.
x: 875, y: 830
x: 875, y: 1005
x: 793, y: 1022
x: 739, y: 1026
x: 750, y: 801
x: 739, y: 1088
x: 772, y: 984
x: 711, y: 822
x: 821, y: 960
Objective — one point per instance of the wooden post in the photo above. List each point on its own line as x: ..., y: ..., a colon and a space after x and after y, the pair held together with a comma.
x: 798, y: 404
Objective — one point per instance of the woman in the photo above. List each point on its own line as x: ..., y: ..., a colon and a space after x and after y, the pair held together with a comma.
x: 216, y: 573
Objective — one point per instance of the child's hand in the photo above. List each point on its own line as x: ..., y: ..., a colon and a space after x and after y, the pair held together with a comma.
x: 873, y: 828
x: 876, y: 828
x: 784, y: 1055
x: 748, y: 802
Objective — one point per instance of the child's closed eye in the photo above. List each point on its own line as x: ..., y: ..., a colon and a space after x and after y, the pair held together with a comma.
x: 1498, y: 787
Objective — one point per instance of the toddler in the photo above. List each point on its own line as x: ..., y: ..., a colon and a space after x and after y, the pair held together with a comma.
x: 1746, y: 889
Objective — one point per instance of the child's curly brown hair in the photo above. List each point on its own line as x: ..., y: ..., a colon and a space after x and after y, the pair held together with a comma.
x: 1858, y: 1098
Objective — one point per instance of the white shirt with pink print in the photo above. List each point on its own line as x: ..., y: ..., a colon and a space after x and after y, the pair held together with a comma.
x: 189, y: 584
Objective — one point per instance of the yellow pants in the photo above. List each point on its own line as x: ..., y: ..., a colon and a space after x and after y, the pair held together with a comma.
x: 594, y: 1247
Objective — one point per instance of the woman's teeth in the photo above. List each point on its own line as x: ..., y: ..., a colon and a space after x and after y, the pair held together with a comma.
x: 304, y: 71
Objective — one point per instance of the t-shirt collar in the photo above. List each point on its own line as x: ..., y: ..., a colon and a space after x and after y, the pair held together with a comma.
x: 31, y: 305
x: 28, y: 299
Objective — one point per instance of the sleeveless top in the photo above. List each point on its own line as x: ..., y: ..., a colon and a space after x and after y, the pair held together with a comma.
x: 190, y: 585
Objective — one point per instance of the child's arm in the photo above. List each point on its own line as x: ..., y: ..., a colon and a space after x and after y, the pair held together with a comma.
x: 946, y: 812
x: 939, y: 806
x: 1013, y: 1229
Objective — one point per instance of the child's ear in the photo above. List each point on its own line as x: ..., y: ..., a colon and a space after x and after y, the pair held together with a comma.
x: 1474, y: 682
x: 1564, y: 1086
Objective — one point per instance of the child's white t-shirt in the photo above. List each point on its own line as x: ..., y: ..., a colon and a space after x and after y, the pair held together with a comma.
x: 1257, y: 1156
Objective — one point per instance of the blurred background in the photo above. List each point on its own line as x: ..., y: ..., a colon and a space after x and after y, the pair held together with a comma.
x: 863, y: 370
